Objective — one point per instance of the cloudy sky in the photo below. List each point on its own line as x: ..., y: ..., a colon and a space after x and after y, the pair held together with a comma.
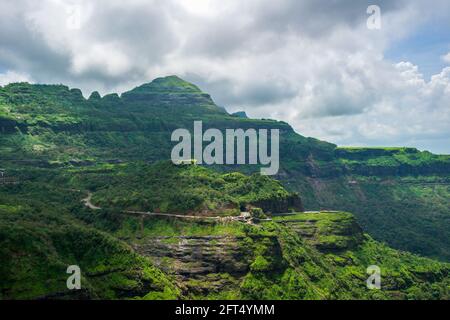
x: 314, y: 64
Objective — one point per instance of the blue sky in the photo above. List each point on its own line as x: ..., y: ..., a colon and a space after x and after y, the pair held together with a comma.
x: 424, y: 47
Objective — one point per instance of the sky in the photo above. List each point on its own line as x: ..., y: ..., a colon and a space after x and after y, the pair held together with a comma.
x: 322, y: 66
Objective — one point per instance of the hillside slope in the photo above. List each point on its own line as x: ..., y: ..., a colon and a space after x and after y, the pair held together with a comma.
x: 399, y: 195
x: 300, y: 255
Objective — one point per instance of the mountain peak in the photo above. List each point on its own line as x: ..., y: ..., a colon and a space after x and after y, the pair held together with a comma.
x: 240, y: 114
x: 171, y: 91
x: 172, y: 84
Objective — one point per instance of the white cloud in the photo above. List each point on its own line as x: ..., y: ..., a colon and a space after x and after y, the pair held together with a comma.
x: 446, y: 58
x: 313, y: 64
x: 409, y: 112
x: 104, y: 58
x: 11, y: 77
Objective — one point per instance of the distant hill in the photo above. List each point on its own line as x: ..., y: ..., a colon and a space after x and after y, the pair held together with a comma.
x: 399, y: 195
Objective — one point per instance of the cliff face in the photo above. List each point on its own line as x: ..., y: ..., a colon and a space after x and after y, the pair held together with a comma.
x: 315, y: 255
x: 326, y: 231
x: 205, y: 264
x: 391, y: 162
x: 54, y: 126
x: 202, y: 265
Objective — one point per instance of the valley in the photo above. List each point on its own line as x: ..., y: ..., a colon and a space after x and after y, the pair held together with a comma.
x: 88, y: 182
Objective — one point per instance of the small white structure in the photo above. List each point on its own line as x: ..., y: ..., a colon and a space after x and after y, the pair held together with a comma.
x: 2, y: 176
x: 187, y: 162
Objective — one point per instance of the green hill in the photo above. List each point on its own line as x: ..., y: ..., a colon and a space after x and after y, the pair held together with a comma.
x: 44, y: 227
x: 165, y: 187
x: 399, y: 195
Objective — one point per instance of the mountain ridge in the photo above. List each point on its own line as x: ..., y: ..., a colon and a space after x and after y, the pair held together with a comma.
x: 54, y: 126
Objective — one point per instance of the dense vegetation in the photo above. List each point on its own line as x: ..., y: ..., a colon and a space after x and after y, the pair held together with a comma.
x: 40, y: 237
x: 45, y: 228
x: 410, y: 213
x: 165, y: 187
x: 55, y: 146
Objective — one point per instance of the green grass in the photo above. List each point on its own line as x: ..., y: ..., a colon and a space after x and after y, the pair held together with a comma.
x: 52, y: 140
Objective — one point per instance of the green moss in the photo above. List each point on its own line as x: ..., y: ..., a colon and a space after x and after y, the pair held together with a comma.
x: 260, y: 264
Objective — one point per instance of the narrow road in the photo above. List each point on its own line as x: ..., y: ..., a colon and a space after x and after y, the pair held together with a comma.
x: 87, y: 202
x: 146, y: 213
x: 243, y: 217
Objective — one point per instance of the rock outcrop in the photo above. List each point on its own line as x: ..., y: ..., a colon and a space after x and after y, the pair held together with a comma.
x: 327, y: 231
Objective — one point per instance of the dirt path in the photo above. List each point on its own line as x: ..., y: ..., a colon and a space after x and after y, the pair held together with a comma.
x: 87, y: 202
x: 146, y: 213
x: 243, y: 217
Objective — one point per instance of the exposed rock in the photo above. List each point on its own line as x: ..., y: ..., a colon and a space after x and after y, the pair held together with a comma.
x: 327, y: 231
x: 202, y: 264
x: 240, y: 114
x: 197, y: 255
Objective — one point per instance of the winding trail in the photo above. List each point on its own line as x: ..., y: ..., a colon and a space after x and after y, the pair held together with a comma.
x: 242, y: 217
x: 181, y: 216
x: 87, y: 202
